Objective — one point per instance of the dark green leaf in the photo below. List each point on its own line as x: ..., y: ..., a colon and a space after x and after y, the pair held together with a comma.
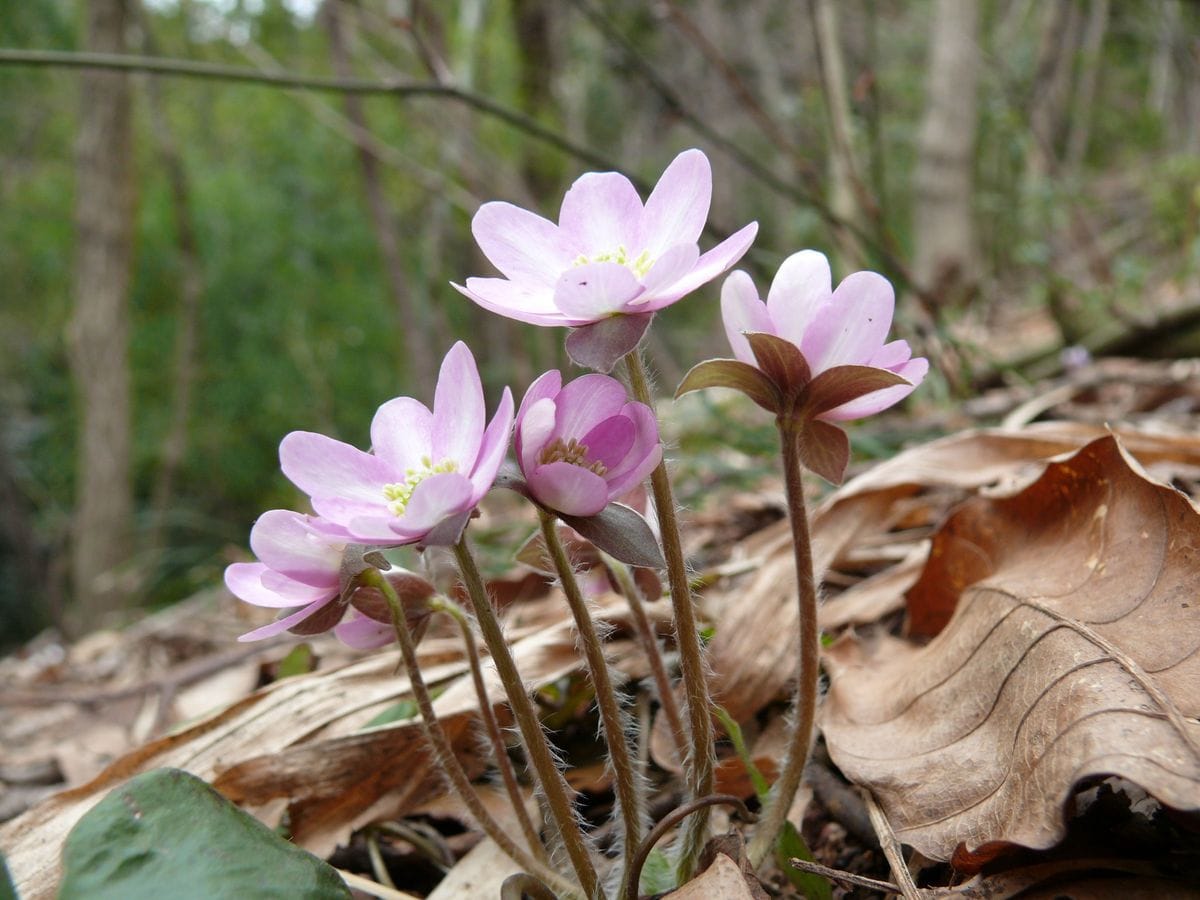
x: 735, y: 374
x: 621, y: 533
x: 791, y: 844
x: 166, y: 833
x: 8, y: 890
x: 841, y: 384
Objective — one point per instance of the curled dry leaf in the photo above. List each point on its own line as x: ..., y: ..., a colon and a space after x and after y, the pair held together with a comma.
x: 1072, y: 650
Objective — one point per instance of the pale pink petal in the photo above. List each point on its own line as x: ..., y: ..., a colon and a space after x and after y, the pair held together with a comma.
x: 891, y: 355
x: 609, y: 441
x: 323, y: 467
x: 513, y: 301
x: 678, y: 206
x: 912, y: 371
x: 548, y: 384
x: 402, y: 433
x: 593, y: 291
x: 600, y: 213
x: 437, y: 497
x: 850, y: 330
x: 801, y: 287
x: 743, y: 312
x: 669, y: 268
x: 283, y: 542
x: 493, y: 448
x: 245, y: 581
x: 535, y: 432
x: 585, y: 402
x: 522, y: 245
x: 708, y: 267
x: 458, y: 410
x: 377, y: 530
x: 643, y: 457
x: 281, y: 625
x: 341, y: 511
x: 568, y: 489
x: 364, y: 633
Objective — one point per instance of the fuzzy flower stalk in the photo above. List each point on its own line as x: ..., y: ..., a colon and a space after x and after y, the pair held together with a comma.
x: 814, y: 357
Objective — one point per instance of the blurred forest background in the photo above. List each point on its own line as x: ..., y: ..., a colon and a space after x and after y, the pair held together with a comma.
x: 192, y: 267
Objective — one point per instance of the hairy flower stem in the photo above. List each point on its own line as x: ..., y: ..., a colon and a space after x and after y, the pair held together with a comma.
x: 495, y: 735
x: 783, y: 792
x: 698, y: 766
x: 443, y: 752
x: 611, y: 717
x: 537, y: 749
x: 641, y: 623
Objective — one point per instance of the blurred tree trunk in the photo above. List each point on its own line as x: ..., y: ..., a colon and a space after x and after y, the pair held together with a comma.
x: 1085, y: 86
x: 1051, y: 86
x: 945, y: 254
x: 844, y: 181
x: 413, y: 318
x: 99, y: 329
x: 1162, y: 67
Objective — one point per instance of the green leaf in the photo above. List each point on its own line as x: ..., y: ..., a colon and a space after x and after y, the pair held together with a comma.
x: 658, y: 874
x: 299, y: 661
x: 8, y: 890
x: 735, y: 374
x: 622, y: 533
x: 789, y: 845
x: 761, y: 786
x: 841, y: 384
x: 399, y: 712
x: 167, y: 833
x: 781, y: 361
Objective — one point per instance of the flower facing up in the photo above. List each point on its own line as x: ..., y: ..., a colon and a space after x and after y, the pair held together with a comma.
x: 813, y: 355
x: 427, y: 471
x: 309, y: 574
x: 583, y: 445
x: 608, y: 256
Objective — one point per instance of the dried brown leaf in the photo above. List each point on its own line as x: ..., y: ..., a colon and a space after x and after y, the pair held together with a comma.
x: 1073, y: 652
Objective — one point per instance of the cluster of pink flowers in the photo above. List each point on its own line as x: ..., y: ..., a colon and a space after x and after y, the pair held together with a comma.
x: 603, y: 270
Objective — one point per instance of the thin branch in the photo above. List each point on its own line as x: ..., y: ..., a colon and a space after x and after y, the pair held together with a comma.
x: 844, y: 877
x: 891, y: 849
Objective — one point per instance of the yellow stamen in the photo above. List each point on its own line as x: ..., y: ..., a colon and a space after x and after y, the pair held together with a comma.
x: 399, y: 493
x: 571, y: 452
x: 639, y: 266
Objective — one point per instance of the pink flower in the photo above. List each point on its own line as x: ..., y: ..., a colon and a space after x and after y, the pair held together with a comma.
x: 309, y: 574
x: 583, y: 445
x: 846, y: 327
x: 608, y: 256
x: 427, y: 470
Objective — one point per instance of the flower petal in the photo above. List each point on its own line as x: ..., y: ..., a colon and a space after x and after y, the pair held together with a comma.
x: 709, y: 266
x: 678, y: 206
x: 281, y: 625
x: 364, y: 633
x: 547, y: 385
x: 667, y: 269
x: 493, y: 448
x: 323, y: 467
x: 593, y: 291
x: 913, y: 371
x: 513, y: 301
x: 282, y: 541
x: 586, y: 402
x: 535, y: 431
x: 742, y: 311
x: 377, y: 530
x: 608, y: 442
x: 402, y: 433
x: 245, y: 581
x: 600, y: 213
x: 801, y: 286
x: 437, y: 497
x: 643, y: 456
x: 850, y: 330
x: 569, y: 489
x: 892, y: 355
x: 525, y: 247
x: 458, y: 410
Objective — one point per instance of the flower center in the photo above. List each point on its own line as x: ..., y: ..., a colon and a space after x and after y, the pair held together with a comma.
x: 401, y: 492
x: 639, y: 266
x: 571, y: 452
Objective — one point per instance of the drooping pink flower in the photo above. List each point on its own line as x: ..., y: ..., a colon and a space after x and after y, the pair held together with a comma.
x: 582, y: 445
x: 843, y: 327
x: 608, y: 256
x: 308, y: 573
x: 427, y: 471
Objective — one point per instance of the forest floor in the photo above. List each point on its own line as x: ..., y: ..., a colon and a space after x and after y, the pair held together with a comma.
x: 1012, y: 494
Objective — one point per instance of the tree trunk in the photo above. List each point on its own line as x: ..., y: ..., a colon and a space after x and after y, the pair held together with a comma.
x: 946, y: 261
x: 1085, y: 86
x: 413, y: 318
x: 1051, y: 86
x: 99, y: 328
